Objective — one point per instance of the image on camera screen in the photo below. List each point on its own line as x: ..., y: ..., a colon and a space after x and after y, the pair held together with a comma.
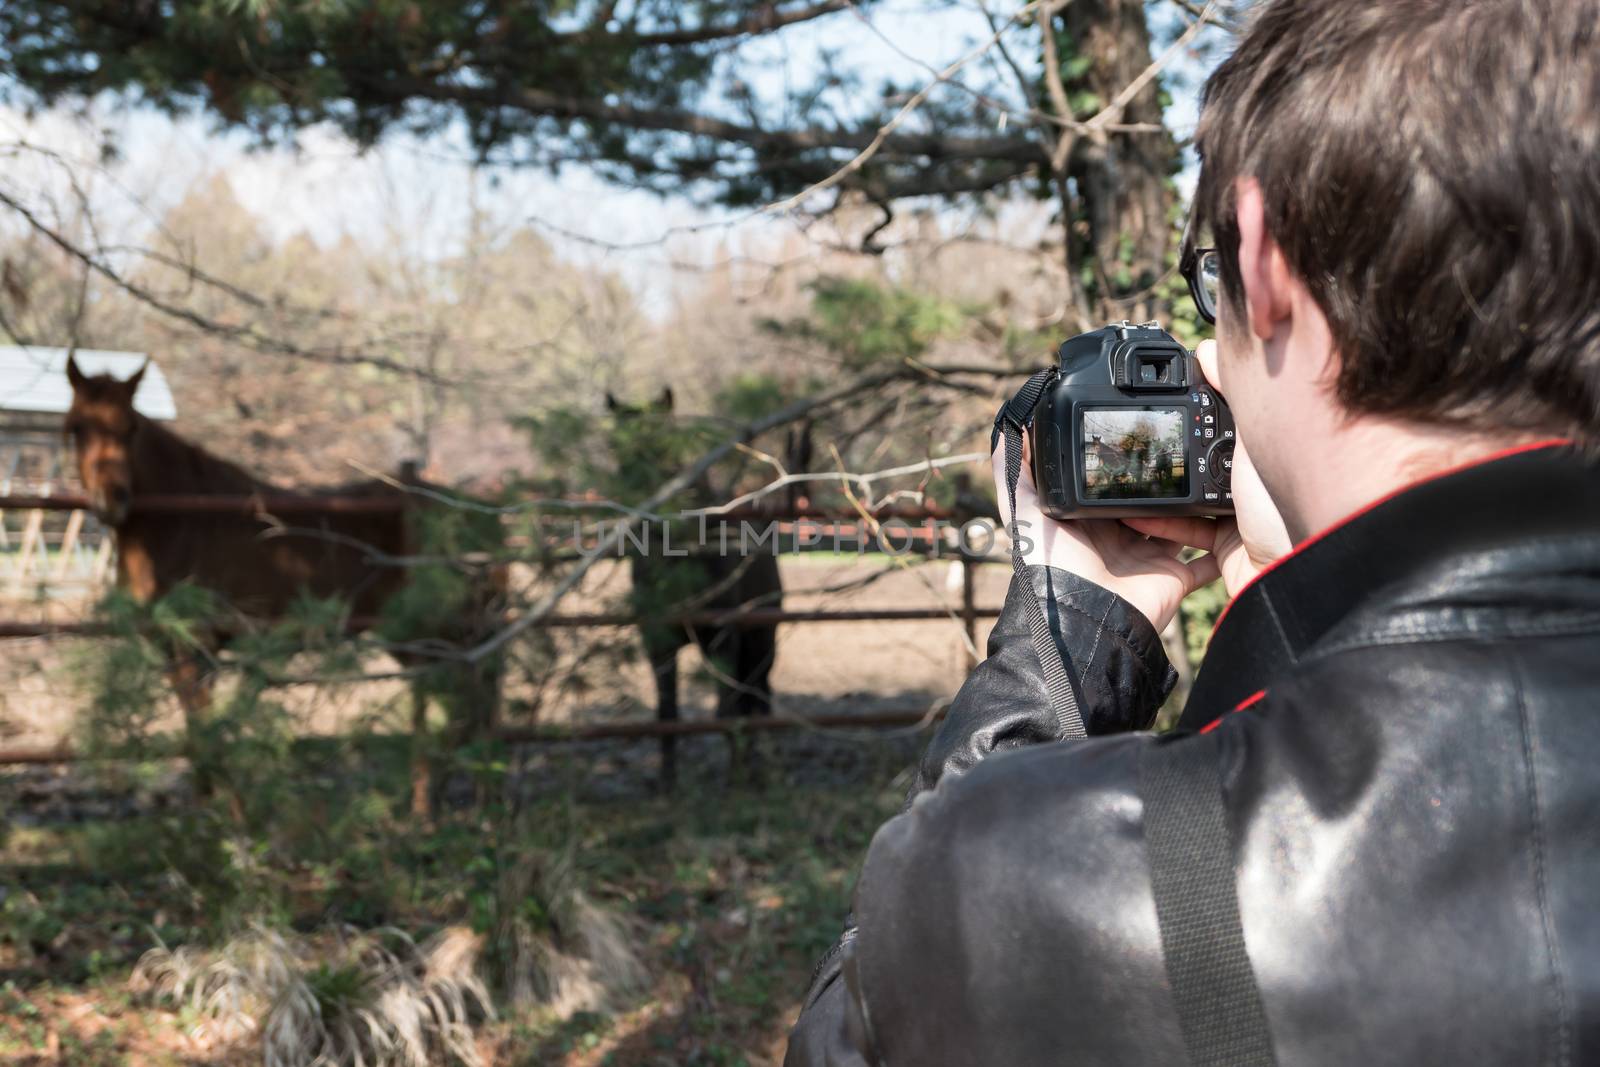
x: 1134, y: 454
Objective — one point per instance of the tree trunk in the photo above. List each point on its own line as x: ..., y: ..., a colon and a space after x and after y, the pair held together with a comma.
x: 1124, y: 180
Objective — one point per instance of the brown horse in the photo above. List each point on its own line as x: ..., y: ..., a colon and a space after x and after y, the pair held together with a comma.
x: 256, y: 567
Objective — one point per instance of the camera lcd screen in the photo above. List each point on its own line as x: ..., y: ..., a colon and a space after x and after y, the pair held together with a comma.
x: 1134, y: 454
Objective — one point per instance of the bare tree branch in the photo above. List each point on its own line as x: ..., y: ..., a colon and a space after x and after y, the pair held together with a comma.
x: 1024, y: 84
x: 875, y: 525
x: 1052, y: 81
x: 674, y: 485
x: 672, y: 120
x: 244, y: 334
x: 848, y: 479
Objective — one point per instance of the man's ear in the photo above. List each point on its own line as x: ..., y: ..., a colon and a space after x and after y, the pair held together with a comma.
x: 1263, y: 271
x: 74, y: 375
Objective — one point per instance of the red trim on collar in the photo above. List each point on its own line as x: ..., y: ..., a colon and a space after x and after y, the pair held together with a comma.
x: 1506, y: 453
x: 1248, y: 701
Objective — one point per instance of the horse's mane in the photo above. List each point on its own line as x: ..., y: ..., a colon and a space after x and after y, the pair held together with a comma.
x: 166, y: 463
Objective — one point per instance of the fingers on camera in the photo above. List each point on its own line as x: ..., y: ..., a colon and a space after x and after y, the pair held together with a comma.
x: 1203, y: 570
x: 1192, y: 532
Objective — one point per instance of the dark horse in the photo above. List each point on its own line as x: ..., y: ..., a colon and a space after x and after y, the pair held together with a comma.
x: 705, y: 580
x: 256, y: 568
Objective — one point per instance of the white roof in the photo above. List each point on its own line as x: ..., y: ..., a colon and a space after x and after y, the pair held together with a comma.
x: 35, y: 379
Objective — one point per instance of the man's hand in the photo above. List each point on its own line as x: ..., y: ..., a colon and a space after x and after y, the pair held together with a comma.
x: 1244, y: 545
x: 1146, y: 572
x: 1138, y: 558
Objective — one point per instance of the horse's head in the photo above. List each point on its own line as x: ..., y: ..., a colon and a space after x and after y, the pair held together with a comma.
x: 645, y: 441
x: 103, y: 426
x: 660, y: 406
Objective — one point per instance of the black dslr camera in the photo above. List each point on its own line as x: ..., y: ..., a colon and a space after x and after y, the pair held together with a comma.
x: 1127, y: 426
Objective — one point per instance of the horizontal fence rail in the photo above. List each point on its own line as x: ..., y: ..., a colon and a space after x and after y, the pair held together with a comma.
x: 738, y: 619
x: 767, y: 617
x: 967, y: 613
x: 400, y: 499
x: 555, y: 735
x: 206, y: 504
x: 628, y: 731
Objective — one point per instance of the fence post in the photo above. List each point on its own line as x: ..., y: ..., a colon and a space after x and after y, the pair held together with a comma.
x: 101, y: 570
x: 69, y: 544
x: 32, y: 533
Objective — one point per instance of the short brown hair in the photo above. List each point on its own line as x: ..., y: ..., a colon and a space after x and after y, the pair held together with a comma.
x: 1431, y: 171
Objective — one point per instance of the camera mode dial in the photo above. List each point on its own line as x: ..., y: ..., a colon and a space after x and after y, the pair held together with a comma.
x: 1219, y: 462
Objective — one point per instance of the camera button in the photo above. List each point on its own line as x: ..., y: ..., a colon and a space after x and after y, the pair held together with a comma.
x: 1220, y: 460
x: 1212, y: 496
x: 1210, y: 432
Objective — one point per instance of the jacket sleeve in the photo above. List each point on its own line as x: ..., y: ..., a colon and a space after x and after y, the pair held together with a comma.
x: 1121, y: 675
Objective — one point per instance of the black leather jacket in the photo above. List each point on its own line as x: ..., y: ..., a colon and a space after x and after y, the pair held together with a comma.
x: 1407, y: 717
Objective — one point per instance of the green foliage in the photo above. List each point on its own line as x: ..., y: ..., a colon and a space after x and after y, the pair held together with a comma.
x: 125, y: 677
x: 445, y: 582
x: 1200, y: 612
x: 182, y: 618
x: 1183, y: 319
x: 625, y: 455
x: 26, y: 926
x: 650, y: 446
x: 569, y: 446
x: 1030, y: 348
x: 265, y: 807
x: 750, y: 396
x: 628, y: 453
x: 339, y: 989
x: 868, y: 325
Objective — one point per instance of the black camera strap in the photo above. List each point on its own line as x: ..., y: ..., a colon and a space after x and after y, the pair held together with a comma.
x: 1012, y: 420
x: 1190, y: 849
x: 1188, y: 841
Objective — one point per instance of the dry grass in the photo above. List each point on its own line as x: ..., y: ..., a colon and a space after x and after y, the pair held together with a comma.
x: 345, y: 998
x: 554, y: 947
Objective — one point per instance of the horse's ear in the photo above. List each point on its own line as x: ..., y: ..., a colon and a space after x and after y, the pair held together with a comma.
x: 664, y: 401
x: 132, y: 384
x: 611, y: 402
x: 74, y: 375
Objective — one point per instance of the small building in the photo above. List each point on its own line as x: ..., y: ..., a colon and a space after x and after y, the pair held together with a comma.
x: 35, y: 395
x: 40, y: 547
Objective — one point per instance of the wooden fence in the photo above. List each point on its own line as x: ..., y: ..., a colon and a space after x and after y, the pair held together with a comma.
x: 968, y: 613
